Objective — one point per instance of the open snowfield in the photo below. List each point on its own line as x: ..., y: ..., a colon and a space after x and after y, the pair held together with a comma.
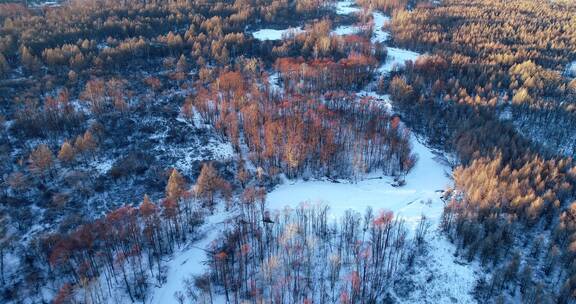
x: 425, y: 182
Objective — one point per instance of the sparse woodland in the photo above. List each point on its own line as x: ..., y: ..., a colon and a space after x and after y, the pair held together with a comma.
x: 299, y: 255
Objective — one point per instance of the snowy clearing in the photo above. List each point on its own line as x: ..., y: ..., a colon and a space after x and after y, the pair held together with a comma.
x: 425, y: 182
x: 442, y: 278
x: 271, y: 34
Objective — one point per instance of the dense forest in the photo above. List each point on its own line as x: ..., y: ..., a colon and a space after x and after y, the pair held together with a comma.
x: 126, y: 127
x: 494, y: 81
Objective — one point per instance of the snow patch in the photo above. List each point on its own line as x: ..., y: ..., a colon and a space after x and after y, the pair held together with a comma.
x: 272, y: 34
x: 396, y: 58
x: 443, y: 278
x: 382, y: 100
x: 346, y: 7
x: 571, y: 69
x: 213, y: 150
x: 379, y: 34
x: 506, y: 113
x: 103, y: 165
x: 275, y: 82
x: 345, y: 30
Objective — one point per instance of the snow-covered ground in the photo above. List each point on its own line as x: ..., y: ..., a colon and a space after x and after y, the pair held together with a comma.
x: 425, y: 182
x: 396, y: 58
x: 47, y: 4
x: 214, y: 149
x: 379, y: 34
x: 189, y: 261
x: 103, y: 165
x: 379, y: 99
x: 275, y: 82
x: 271, y: 34
x: 345, y: 30
x: 346, y: 7
x: 443, y: 278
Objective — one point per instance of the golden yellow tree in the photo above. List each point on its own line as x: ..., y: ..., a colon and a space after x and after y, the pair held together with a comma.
x: 175, y: 186
x: 41, y: 160
x: 66, y: 153
x: 207, y: 184
x: 89, y: 142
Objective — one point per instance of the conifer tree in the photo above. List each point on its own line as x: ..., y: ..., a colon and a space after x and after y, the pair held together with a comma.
x: 207, y: 183
x: 29, y: 61
x: 89, y: 142
x: 41, y: 160
x: 66, y: 153
x: 79, y: 144
x: 147, y: 208
x: 175, y: 186
x: 182, y: 64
